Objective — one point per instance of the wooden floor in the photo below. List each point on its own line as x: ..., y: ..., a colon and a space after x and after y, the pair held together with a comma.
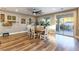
x: 21, y: 42
x: 66, y: 43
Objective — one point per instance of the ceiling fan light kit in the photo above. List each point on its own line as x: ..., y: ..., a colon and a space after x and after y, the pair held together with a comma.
x: 36, y: 12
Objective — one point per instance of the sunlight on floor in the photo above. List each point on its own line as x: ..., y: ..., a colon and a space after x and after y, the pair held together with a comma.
x: 65, y: 42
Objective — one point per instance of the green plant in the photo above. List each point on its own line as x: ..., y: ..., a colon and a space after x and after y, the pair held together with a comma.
x: 45, y: 23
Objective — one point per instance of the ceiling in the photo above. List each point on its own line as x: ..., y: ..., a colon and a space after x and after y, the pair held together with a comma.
x: 28, y: 10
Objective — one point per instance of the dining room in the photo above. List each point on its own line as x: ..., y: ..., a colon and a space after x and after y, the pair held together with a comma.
x: 23, y: 29
x: 35, y: 28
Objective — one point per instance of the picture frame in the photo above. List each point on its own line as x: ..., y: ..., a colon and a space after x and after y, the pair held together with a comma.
x: 9, y: 17
x: 23, y: 21
x: 2, y: 17
x: 13, y: 17
x: 7, y: 23
x: 30, y: 20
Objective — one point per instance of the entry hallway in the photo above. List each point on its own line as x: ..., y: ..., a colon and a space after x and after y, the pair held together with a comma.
x: 65, y: 43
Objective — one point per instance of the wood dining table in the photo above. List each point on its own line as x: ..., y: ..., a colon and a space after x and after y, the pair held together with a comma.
x: 40, y: 30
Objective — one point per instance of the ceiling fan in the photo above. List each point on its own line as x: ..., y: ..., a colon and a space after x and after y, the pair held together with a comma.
x: 36, y: 11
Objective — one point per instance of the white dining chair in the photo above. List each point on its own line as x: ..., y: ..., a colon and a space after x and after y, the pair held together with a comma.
x: 34, y: 35
x: 28, y: 30
x: 44, y: 35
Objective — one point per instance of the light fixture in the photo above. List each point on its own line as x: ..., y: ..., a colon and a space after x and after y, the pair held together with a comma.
x: 62, y: 9
x: 36, y: 11
x: 54, y: 9
x: 16, y: 10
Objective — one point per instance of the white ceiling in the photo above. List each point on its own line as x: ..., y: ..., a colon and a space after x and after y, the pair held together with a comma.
x: 28, y: 10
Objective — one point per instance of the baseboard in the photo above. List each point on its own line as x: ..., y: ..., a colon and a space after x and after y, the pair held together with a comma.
x: 17, y: 32
x: 0, y: 35
x: 77, y: 37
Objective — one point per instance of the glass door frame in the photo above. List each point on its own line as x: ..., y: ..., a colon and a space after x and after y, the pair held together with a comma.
x: 74, y: 22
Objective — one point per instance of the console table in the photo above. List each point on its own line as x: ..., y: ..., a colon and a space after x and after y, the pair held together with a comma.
x: 5, y: 34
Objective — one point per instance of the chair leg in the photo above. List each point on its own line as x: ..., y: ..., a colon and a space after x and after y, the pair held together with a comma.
x: 41, y: 37
x: 34, y: 36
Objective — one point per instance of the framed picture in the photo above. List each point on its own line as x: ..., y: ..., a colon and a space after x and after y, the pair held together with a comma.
x: 13, y: 21
x: 7, y: 23
x: 13, y: 17
x: 2, y: 17
x: 9, y: 17
x: 30, y: 20
x: 23, y: 21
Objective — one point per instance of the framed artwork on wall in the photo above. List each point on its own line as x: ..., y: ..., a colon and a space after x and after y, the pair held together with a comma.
x: 7, y: 23
x: 23, y: 21
x: 13, y: 17
x: 30, y: 20
x: 2, y: 17
x: 13, y: 21
x: 9, y: 17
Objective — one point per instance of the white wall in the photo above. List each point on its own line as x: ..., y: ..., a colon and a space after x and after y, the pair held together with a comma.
x: 16, y: 27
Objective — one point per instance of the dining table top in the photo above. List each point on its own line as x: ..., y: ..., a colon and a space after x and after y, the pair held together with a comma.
x: 40, y: 30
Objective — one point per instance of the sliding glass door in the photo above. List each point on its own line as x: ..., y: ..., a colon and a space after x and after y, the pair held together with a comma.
x: 68, y: 26
x: 64, y: 24
x: 59, y: 25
